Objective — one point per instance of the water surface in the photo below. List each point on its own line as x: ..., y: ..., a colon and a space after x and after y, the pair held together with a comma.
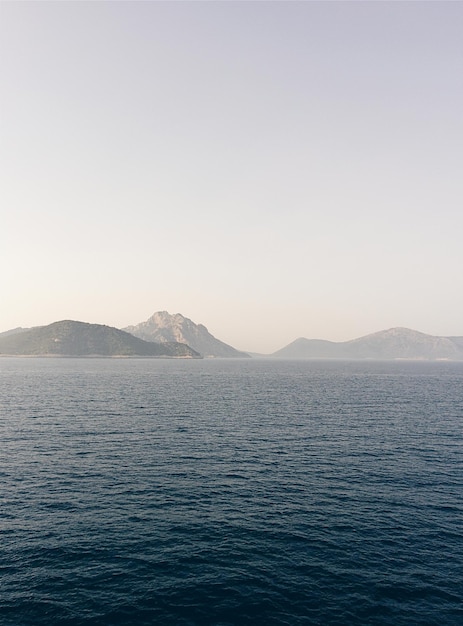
x: 230, y: 492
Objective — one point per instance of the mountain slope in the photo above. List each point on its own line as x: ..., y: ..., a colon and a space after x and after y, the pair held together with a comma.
x: 13, y: 331
x: 71, y: 338
x: 316, y: 348
x: 394, y: 343
x: 402, y: 343
x: 165, y: 327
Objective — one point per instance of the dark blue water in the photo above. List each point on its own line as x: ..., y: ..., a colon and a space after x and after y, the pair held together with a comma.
x: 230, y: 492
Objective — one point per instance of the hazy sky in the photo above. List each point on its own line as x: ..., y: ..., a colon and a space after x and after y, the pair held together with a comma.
x: 269, y: 169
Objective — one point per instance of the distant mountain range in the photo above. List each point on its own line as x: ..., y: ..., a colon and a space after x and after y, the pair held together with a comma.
x: 165, y: 335
x: 71, y: 338
x: 395, y: 343
x: 162, y: 326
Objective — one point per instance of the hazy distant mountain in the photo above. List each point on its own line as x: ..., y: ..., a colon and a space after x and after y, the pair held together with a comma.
x: 13, y: 331
x: 403, y: 343
x: 309, y: 348
x: 395, y: 343
x: 165, y: 327
x: 70, y: 338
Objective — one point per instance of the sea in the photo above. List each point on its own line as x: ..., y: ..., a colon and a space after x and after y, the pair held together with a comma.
x: 237, y: 492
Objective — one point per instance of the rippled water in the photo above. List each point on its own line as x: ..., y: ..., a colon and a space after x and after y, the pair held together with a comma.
x: 230, y: 492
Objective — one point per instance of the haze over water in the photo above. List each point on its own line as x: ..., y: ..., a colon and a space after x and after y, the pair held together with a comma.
x: 272, y: 170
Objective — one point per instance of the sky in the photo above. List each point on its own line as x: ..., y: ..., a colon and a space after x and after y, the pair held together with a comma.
x: 271, y: 170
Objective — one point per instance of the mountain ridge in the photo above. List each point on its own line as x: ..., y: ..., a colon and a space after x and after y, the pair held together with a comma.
x: 163, y: 326
x: 392, y: 343
x: 74, y: 338
x: 162, y: 334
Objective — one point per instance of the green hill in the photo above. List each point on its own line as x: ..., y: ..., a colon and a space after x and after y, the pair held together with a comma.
x: 71, y: 338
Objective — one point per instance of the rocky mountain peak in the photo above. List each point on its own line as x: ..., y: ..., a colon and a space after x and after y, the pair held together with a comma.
x: 163, y: 326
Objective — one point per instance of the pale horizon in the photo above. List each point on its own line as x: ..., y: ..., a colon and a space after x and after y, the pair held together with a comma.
x: 270, y: 170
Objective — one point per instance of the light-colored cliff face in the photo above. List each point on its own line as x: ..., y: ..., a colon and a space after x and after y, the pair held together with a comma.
x: 162, y: 326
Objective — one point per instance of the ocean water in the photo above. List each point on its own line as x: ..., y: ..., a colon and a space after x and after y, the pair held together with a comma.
x: 229, y: 493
